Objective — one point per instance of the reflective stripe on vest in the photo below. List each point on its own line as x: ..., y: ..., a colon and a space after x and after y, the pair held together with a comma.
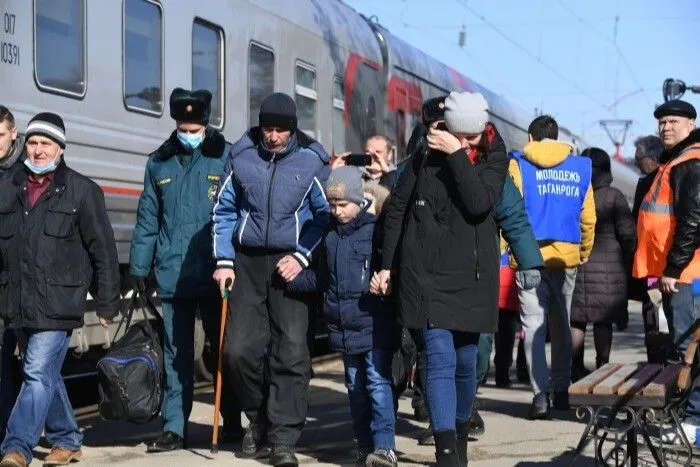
x: 657, y: 224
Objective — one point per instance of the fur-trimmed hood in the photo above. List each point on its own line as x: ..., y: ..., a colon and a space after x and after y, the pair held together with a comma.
x: 377, y: 194
x: 214, y: 145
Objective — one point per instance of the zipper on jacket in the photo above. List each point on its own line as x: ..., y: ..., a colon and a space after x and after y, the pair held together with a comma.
x: 273, y: 164
x: 476, y: 251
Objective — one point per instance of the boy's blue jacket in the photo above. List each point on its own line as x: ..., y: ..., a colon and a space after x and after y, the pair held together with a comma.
x: 357, y: 321
x: 272, y: 201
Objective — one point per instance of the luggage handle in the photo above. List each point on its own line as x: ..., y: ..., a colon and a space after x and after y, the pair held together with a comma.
x: 144, y: 303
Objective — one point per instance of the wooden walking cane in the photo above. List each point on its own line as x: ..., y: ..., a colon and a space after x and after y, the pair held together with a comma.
x: 219, y: 367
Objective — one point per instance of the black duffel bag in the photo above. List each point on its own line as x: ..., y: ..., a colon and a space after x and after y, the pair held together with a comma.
x: 130, y: 375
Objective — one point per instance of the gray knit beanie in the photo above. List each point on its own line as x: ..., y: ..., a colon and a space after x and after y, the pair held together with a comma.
x: 345, y: 183
x: 466, y: 112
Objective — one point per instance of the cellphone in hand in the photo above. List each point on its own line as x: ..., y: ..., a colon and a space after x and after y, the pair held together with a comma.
x: 360, y: 160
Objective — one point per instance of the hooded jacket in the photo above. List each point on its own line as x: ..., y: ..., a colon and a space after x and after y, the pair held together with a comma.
x: 557, y: 254
x: 441, y: 240
x: 357, y: 320
x: 173, y: 221
x: 272, y: 201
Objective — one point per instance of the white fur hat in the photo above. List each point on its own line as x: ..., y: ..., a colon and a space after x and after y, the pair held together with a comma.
x: 466, y: 112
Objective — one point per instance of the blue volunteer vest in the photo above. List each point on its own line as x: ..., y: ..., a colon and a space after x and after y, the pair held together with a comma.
x: 554, y: 197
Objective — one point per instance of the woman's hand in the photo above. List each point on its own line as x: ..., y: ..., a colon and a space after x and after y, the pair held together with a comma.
x: 442, y: 141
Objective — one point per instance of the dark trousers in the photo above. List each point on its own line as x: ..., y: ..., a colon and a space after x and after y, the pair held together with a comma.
x: 178, y: 355
x: 9, y: 376
x: 659, y: 345
x: 266, y: 336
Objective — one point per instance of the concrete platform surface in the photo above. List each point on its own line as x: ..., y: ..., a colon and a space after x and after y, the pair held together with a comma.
x: 510, y: 439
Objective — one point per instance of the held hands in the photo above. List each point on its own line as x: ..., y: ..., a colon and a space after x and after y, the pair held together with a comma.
x: 288, y: 268
x: 442, y: 141
x: 104, y: 322
x: 380, y: 283
x: 222, y: 276
x: 667, y: 285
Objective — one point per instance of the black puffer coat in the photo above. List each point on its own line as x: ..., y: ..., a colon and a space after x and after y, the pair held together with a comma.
x: 601, y: 284
x: 441, y: 241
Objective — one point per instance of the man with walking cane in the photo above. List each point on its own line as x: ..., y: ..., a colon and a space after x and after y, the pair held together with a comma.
x: 173, y: 226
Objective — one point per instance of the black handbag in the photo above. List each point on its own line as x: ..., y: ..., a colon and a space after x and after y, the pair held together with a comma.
x: 130, y: 375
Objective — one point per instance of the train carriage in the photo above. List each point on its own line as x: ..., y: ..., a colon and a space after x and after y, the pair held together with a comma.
x: 108, y: 68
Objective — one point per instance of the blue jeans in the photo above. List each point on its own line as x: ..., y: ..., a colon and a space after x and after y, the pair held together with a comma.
x: 451, y: 375
x: 368, y: 379
x: 178, y: 356
x: 684, y: 311
x: 8, y: 393
x: 42, y: 400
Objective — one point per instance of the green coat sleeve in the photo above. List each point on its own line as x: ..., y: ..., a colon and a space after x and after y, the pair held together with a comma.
x: 143, y: 242
x: 512, y: 220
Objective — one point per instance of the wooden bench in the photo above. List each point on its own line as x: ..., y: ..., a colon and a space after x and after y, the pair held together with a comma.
x: 644, y: 394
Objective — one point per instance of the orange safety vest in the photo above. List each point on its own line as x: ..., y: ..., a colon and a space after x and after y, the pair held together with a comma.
x: 656, y: 225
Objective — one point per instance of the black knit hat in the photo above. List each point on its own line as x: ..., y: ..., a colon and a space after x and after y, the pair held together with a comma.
x: 190, y: 106
x: 50, y: 125
x: 278, y: 110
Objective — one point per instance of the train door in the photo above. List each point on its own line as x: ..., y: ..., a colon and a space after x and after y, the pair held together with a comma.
x: 404, y: 101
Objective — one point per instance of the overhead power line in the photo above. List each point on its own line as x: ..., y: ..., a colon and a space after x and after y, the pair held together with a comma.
x: 612, y: 41
x: 532, y: 55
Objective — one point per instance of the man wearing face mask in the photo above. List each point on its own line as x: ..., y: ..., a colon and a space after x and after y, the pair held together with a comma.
x: 55, y: 241
x: 173, y: 226
x: 269, y: 218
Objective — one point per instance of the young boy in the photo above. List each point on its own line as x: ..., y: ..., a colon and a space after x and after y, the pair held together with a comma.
x: 360, y: 325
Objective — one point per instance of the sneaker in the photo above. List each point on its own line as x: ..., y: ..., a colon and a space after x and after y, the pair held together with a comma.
x: 382, y: 458
x: 670, y: 435
x: 540, y: 409
x: 361, y: 459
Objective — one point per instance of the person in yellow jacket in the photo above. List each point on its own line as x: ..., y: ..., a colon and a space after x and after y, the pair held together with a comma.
x: 668, y: 231
x: 556, y: 187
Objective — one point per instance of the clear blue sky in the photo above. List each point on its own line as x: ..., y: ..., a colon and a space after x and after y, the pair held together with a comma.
x: 655, y: 40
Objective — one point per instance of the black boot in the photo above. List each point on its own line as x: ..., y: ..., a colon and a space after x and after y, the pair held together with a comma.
x: 283, y: 456
x: 446, y: 449
x: 254, y: 438
x: 475, y: 424
x: 167, y: 441
x: 463, y: 430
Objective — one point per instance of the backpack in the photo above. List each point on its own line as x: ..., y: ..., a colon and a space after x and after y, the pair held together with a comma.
x: 130, y: 375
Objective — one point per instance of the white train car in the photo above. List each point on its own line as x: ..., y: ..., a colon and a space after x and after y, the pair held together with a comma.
x: 108, y: 68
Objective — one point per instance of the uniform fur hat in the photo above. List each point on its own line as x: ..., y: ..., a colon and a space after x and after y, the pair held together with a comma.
x: 190, y: 106
x: 466, y: 112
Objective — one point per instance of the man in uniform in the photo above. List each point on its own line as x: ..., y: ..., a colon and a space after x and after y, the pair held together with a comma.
x: 668, y: 236
x: 173, y: 226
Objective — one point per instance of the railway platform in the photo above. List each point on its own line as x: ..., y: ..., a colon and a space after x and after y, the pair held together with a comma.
x: 510, y: 439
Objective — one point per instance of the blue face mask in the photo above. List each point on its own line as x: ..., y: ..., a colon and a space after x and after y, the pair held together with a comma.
x: 190, y: 141
x: 50, y: 167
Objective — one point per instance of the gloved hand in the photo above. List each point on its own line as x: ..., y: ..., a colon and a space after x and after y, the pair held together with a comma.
x: 529, y: 278
x: 138, y: 283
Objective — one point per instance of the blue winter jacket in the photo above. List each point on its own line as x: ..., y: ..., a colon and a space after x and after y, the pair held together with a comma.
x: 173, y: 221
x: 271, y: 200
x: 357, y: 321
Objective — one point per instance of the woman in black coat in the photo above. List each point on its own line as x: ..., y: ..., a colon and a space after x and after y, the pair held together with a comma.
x: 600, y: 296
x: 441, y: 248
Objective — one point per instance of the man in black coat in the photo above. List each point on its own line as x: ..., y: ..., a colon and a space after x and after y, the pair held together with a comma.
x: 10, y: 153
x: 55, y: 241
x: 647, y: 153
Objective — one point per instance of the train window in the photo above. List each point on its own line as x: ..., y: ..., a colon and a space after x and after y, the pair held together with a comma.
x: 208, y: 66
x: 59, y: 46
x: 306, y: 96
x: 143, y: 56
x: 338, y: 116
x: 261, y: 79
